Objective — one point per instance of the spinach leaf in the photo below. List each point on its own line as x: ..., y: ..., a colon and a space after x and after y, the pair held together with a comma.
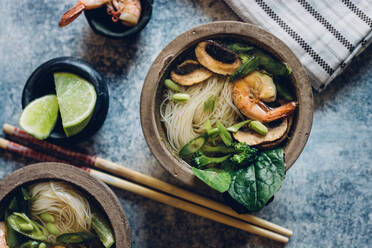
x: 255, y: 185
x: 218, y: 179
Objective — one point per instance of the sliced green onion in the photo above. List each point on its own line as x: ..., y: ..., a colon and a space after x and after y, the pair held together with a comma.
x: 258, y: 127
x: 103, y: 230
x: 234, y: 128
x: 171, y: 85
x: 213, y: 131
x: 52, y: 228
x: 209, y: 129
x: 224, y: 134
x: 181, y: 97
x: 208, y: 125
x: 26, y: 227
x: 42, y: 245
x: 209, y: 104
x: 47, y: 217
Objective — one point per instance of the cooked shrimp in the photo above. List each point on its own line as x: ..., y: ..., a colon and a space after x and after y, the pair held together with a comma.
x: 250, y: 93
x: 128, y: 11
x: 76, y: 10
x: 3, y: 235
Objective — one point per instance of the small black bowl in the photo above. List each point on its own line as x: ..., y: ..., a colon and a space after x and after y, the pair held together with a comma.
x: 41, y: 82
x: 102, y: 24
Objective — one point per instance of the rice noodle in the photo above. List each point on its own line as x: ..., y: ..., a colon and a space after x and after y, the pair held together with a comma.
x: 185, y: 121
x: 69, y: 208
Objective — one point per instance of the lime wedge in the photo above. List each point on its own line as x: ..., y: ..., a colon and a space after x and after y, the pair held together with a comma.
x: 76, y: 99
x: 40, y: 116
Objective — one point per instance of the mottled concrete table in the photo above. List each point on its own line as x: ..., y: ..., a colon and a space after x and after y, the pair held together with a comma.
x: 327, y: 195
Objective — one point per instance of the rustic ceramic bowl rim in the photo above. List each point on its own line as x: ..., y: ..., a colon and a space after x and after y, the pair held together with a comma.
x: 77, y: 177
x: 148, y: 109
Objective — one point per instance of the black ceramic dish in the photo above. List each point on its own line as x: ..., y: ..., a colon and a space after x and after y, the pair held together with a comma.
x: 102, y: 24
x: 41, y: 83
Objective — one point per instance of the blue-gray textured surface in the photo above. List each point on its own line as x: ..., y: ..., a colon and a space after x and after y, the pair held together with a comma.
x: 326, y: 197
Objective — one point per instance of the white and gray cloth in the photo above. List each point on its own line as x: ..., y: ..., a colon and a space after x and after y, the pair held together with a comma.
x: 324, y: 34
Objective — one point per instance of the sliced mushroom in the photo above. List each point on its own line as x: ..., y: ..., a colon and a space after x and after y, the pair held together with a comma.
x: 217, y: 58
x: 190, y: 72
x: 274, y: 137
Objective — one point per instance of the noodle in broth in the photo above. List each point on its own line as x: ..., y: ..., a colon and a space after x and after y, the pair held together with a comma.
x: 69, y: 208
x: 185, y: 121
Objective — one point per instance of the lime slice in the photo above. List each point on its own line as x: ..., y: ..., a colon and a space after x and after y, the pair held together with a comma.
x: 76, y: 99
x: 40, y: 116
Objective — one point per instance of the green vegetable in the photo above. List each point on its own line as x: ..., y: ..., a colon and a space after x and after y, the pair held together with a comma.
x: 270, y: 64
x: 258, y: 127
x: 38, y: 232
x: 42, y: 245
x: 26, y: 201
x: 208, y: 125
x: 224, y: 134
x: 253, y: 186
x: 209, y: 104
x: 210, y: 130
x: 75, y: 238
x: 19, y: 203
x: 243, y: 155
x: 240, y: 48
x: 246, y: 68
x: 180, y: 97
x: 103, y: 230
x: 47, y: 217
x: 52, y: 228
x: 213, y: 131
x: 244, y: 57
x: 214, y: 140
x: 171, y: 85
x: 26, y: 227
x: 217, y: 149
x: 30, y: 244
x: 216, y: 178
x: 193, y: 146
x: 284, y: 92
x: 200, y: 160
x: 237, y: 126
x: 289, y: 69
x: 13, y: 205
x: 11, y: 236
x: 12, y: 239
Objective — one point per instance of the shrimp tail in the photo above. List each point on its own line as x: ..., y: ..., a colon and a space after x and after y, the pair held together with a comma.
x: 280, y: 112
x: 72, y: 14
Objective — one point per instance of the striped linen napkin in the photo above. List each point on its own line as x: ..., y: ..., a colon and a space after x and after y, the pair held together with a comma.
x: 324, y: 34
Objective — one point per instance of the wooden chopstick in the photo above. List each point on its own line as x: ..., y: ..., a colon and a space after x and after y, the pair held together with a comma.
x: 138, y: 177
x: 149, y: 193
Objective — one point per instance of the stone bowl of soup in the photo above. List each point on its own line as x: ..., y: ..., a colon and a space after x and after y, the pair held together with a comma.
x: 215, y: 54
x: 65, y: 206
